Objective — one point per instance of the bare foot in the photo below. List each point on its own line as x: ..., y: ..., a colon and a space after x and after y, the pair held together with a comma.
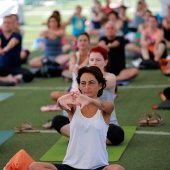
x: 18, y: 78
x: 10, y: 78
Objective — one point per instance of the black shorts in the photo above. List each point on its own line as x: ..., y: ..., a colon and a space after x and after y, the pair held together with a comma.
x: 67, y: 167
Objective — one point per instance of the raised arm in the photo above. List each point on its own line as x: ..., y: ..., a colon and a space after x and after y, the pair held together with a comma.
x: 72, y: 62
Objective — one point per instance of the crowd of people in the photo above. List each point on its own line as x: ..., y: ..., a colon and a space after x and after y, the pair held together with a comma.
x: 97, y: 63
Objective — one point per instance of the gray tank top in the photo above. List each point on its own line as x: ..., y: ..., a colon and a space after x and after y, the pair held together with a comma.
x: 53, y: 47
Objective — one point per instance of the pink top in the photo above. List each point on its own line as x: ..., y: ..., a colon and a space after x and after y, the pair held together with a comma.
x: 151, y: 39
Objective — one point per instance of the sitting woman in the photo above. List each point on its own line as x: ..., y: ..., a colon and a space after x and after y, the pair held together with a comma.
x: 115, y: 134
x: 152, y: 44
x: 52, y: 47
x: 89, y: 119
x: 77, y: 60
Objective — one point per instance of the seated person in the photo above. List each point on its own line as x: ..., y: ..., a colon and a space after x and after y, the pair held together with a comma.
x: 67, y: 39
x: 52, y: 47
x: 144, y: 25
x: 107, y: 8
x: 97, y: 16
x: 10, y: 49
x: 138, y: 19
x: 116, y: 53
x: 115, y: 135
x: 152, y: 44
x: 89, y: 120
x: 114, y: 17
x: 133, y: 49
x: 24, y: 52
x: 77, y: 21
x: 77, y: 60
x: 124, y: 18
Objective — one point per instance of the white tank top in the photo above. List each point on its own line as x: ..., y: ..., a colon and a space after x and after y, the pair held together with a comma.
x: 87, y: 143
x: 74, y: 85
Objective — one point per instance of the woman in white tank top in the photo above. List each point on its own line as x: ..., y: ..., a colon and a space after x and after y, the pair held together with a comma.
x: 89, y: 119
x: 115, y: 135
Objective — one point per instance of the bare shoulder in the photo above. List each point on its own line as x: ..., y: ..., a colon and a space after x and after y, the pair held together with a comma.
x: 110, y: 82
x: 110, y: 77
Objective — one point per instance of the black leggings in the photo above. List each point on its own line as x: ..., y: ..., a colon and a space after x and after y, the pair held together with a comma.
x: 166, y: 92
x: 115, y: 133
x: 27, y: 75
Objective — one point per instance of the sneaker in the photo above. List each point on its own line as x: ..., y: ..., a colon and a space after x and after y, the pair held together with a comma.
x: 168, y: 57
x: 137, y: 62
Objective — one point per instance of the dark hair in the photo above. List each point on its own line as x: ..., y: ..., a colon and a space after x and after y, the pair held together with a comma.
x: 113, y: 12
x: 56, y: 18
x: 149, y: 11
x: 153, y: 16
x: 14, y: 15
x: 7, y: 16
x: 94, y: 70
x: 57, y: 14
x: 86, y: 34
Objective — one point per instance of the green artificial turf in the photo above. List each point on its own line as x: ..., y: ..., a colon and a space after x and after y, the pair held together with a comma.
x: 144, y: 151
x: 57, y: 152
x: 132, y: 102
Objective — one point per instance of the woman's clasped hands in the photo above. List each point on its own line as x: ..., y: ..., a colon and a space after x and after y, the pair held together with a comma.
x: 74, y: 98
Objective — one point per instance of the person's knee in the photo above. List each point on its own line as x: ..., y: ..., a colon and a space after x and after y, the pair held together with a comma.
x: 34, y: 166
x: 136, y: 72
x: 118, y: 167
x: 58, y: 122
x: 31, y: 63
x: 166, y: 92
x: 28, y: 77
x: 54, y: 95
x: 115, y: 134
x: 114, y: 166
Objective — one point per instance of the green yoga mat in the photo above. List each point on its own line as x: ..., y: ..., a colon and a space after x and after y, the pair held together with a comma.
x: 5, y: 135
x: 57, y: 152
x: 4, y: 96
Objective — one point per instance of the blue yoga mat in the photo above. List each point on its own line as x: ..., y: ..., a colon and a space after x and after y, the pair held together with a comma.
x: 5, y: 135
x: 122, y: 83
x: 4, y: 96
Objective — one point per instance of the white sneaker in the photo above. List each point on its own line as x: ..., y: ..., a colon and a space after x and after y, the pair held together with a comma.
x: 137, y: 62
x: 168, y: 57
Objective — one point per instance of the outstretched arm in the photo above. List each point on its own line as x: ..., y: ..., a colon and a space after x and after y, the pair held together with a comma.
x: 66, y: 102
x: 83, y: 100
